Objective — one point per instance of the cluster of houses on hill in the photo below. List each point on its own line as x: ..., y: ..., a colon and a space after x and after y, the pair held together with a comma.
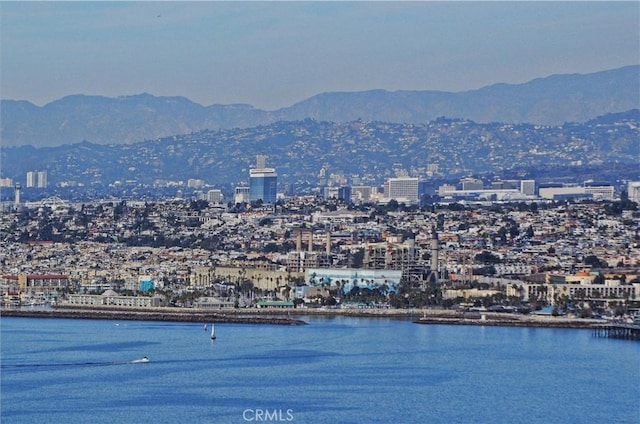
x: 308, y: 252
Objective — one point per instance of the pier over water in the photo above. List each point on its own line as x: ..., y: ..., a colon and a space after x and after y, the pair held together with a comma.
x: 618, y: 331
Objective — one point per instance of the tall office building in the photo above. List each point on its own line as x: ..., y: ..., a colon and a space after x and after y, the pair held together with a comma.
x: 634, y: 191
x: 42, y: 179
x: 528, y: 187
x: 403, y: 189
x: 37, y: 179
x: 263, y: 182
x: 195, y: 183
x: 32, y: 177
x: 344, y: 193
x: 241, y: 195
x: 214, y: 196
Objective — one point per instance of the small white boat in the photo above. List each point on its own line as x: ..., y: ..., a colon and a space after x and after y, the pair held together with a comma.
x: 141, y: 360
x: 213, y: 332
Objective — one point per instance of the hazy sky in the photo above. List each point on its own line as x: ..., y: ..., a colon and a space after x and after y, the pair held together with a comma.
x: 274, y: 54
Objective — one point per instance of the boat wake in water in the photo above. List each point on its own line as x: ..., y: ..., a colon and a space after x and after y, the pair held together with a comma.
x: 7, y: 367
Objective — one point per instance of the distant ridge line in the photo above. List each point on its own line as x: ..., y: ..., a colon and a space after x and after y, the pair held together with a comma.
x: 552, y: 100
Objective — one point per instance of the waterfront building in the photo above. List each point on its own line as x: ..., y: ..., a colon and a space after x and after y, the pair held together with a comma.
x: 277, y: 304
x: 111, y: 298
x: 29, y: 283
x: 468, y: 293
x: 345, y: 279
x: 579, y: 287
x: 209, y: 303
x: 264, y: 277
x: 99, y: 285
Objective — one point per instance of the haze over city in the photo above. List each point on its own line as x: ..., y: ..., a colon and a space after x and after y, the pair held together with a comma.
x: 273, y: 54
x: 379, y: 212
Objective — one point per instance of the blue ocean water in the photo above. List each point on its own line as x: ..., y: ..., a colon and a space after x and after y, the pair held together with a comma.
x: 334, y: 370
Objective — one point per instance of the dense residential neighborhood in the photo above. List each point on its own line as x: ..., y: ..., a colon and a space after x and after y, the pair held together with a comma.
x: 573, y: 257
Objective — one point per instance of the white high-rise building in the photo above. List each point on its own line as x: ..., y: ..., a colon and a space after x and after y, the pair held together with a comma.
x: 241, y: 195
x: 634, y: 191
x: 32, y: 178
x: 214, y: 196
x: 42, y: 179
x: 37, y: 179
x: 404, y: 189
x: 195, y: 183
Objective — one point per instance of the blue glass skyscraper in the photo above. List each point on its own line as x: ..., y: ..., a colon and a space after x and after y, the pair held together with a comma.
x: 263, y: 185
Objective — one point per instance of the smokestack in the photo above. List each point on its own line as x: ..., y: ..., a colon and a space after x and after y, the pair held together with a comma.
x: 299, y: 242
x: 328, y: 243
x: 16, y: 200
x: 434, y: 252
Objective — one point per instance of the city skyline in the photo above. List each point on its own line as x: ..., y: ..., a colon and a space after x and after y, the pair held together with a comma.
x: 274, y: 54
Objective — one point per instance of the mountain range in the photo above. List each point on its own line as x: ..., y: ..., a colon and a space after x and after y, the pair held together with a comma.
x: 363, y: 152
x: 551, y: 100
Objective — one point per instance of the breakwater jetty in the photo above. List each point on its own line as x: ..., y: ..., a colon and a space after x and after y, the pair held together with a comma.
x: 295, y: 316
x: 618, y: 331
x: 506, y: 320
x: 149, y: 314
